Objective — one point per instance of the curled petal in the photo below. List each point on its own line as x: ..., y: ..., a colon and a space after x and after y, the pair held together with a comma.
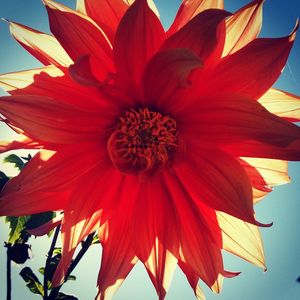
x: 243, y: 27
x: 282, y: 104
x: 189, y: 9
x: 167, y: 71
x: 242, y: 239
x: 47, y: 227
x: 139, y: 36
x: 78, y: 34
x: 204, y: 35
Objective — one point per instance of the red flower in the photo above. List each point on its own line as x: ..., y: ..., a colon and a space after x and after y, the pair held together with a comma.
x: 154, y: 138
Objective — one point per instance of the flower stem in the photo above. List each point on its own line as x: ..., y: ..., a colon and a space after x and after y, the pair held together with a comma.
x: 84, y: 247
x: 8, y: 273
x: 48, y: 261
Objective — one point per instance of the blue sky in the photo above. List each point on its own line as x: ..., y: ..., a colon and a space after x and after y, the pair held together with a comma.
x: 282, y: 241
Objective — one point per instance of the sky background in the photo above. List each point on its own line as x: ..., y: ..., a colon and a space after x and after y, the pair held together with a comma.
x: 282, y: 240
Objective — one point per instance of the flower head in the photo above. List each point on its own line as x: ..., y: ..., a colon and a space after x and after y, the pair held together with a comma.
x: 157, y: 139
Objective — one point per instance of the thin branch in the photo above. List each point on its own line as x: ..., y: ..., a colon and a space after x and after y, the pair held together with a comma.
x: 48, y: 261
x: 85, y: 246
x: 8, y: 272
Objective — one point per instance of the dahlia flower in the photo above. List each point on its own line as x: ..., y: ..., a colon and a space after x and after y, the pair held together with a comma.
x: 159, y: 140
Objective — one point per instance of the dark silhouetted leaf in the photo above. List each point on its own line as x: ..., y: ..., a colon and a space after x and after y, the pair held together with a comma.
x: 3, y: 180
x: 62, y: 296
x: 19, y: 253
x: 32, y: 282
x: 298, y: 279
x: 37, y: 220
x: 16, y: 160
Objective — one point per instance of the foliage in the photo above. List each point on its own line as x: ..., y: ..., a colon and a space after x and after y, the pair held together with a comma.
x: 32, y: 282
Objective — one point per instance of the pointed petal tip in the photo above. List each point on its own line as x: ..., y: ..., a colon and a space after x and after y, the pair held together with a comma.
x: 263, y: 225
x: 293, y: 34
x: 5, y: 20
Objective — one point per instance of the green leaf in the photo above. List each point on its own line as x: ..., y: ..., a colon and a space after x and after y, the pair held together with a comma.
x: 14, y: 159
x: 37, y: 220
x: 71, y: 277
x: 32, y: 282
x: 17, y: 227
x: 96, y: 239
x: 57, y: 251
x: 62, y: 296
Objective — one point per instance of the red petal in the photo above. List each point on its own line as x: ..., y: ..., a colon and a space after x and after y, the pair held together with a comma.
x: 204, y: 35
x: 118, y: 257
x: 46, y: 228
x: 219, y: 181
x: 107, y: 14
x: 42, y: 46
x: 166, y: 72
x: 40, y: 82
x: 200, y: 238
x: 78, y: 34
x: 262, y: 150
x: 155, y: 233
x: 81, y: 220
x: 252, y: 70
x: 226, y: 119
x: 138, y: 37
x: 243, y: 27
x: 48, y: 120
x: 189, y: 9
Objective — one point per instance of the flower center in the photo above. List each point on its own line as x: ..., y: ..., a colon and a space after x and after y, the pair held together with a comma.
x: 143, y: 140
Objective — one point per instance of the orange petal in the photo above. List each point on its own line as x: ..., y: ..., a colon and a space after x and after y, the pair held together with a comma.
x: 155, y: 233
x: 42, y: 46
x: 118, y: 257
x: 107, y: 14
x: 219, y: 181
x: 78, y: 34
x: 189, y: 9
x: 17, y: 199
x: 81, y: 220
x: 139, y: 36
x: 22, y: 142
x: 167, y: 71
x: 274, y: 172
x: 242, y: 239
x: 243, y: 27
x: 48, y: 120
x: 19, y: 80
x: 262, y: 59
x: 282, y: 104
x: 63, y: 165
x: 204, y: 35
x: 199, y: 234
x: 258, y: 195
